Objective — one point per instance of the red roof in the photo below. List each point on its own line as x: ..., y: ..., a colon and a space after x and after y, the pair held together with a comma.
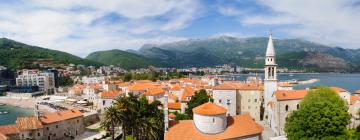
x: 338, y: 89
x: 290, y: 94
x: 9, y: 129
x: 174, y: 106
x: 357, y: 92
x: 353, y: 99
x: 111, y: 94
x: 240, y: 126
x: 155, y: 91
x: 28, y: 123
x: 60, y: 116
x: 188, y: 92
x: 209, y: 108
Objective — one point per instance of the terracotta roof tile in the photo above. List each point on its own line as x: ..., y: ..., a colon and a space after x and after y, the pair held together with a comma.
x: 237, y: 86
x: 290, y: 94
x: 188, y: 92
x: 173, y: 97
x: 239, y: 126
x: 60, y: 116
x: 338, y: 89
x: 9, y: 129
x: 141, y: 86
x: 353, y: 99
x: 357, y: 91
x: 111, y: 94
x: 172, y: 115
x: 209, y: 108
x: 155, y: 91
x: 28, y: 123
x: 174, y: 106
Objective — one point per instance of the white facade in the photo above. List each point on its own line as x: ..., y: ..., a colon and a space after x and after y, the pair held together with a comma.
x: 92, y: 80
x: 226, y: 99
x: 270, y: 81
x: 44, y: 80
x: 210, y: 124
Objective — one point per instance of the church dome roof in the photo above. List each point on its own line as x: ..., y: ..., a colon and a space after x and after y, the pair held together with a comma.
x: 209, y: 109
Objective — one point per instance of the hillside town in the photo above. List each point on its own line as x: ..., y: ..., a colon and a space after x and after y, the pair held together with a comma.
x: 254, y: 108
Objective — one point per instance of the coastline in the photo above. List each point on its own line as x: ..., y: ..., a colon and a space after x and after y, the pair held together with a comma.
x: 22, y: 103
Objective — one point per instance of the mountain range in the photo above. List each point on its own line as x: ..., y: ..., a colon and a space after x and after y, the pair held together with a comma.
x: 245, y: 52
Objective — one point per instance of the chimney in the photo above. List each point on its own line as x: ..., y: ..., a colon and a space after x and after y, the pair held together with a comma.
x: 166, y: 116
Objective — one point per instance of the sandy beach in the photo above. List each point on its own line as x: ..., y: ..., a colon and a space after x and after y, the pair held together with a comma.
x: 28, y: 103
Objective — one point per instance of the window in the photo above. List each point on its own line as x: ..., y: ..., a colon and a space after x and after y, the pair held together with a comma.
x: 47, y: 128
x: 228, y: 101
x: 57, y: 126
x: 103, y: 102
x: 249, y: 107
x: 255, y: 100
x: 220, y: 101
x: 38, y: 134
x: 77, y: 121
x: 286, y: 108
x: 30, y: 134
x: 213, y: 120
x: 248, y: 100
x: 297, y: 106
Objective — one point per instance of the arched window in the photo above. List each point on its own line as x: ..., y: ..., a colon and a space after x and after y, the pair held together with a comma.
x: 213, y: 120
x: 286, y: 108
x: 297, y: 106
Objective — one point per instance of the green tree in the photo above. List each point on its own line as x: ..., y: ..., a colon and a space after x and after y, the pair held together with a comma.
x: 138, y: 117
x: 65, y: 81
x: 200, y: 98
x: 180, y: 116
x: 111, y: 120
x: 322, y: 115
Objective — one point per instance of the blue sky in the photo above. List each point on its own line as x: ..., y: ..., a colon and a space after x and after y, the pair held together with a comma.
x: 83, y: 26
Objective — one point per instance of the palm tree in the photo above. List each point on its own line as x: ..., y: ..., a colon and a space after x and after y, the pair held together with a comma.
x: 111, y: 120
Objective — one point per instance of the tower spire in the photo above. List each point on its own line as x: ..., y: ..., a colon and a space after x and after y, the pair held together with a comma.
x: 270, y: 51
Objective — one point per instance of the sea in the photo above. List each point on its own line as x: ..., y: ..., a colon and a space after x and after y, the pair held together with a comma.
x: 13, y: 113
x: 349, y: 82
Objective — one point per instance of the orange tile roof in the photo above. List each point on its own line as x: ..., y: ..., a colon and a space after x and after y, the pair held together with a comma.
x: 9, y: 129
x: 155, y: 91
x: 290, y: 94
x: 172, y: 115
x: 237, y: 85
x: 174, y: 106
x: 357, y: 92
x: 141, y: 86
x: 143, y: 81
x: 240, y: 126
x: 28, y: 123
x: 176, y: 88
x: 60, y: 116
x: 338, y: 89
x: 188, y: 92
x: 353, y: 99
x: 111, y: 94
x: 285, y: 84
x: 123, y: 84
x: 172, y: 96
x: 2, y: 136
x: 209, y: 108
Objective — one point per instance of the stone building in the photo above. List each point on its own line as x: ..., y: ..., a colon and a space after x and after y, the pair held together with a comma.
x: 211, y: 122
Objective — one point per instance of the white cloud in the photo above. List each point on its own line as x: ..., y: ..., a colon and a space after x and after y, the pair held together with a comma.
x: 332, y: 22
x: 68, y: 25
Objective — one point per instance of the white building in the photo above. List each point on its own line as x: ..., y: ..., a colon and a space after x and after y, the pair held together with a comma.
x: 44, y: 80
x: 270, y: 80
x: 92, y: 80
x: 210, y: 122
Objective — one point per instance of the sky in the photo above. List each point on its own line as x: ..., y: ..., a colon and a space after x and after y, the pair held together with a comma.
x: 80, y: 27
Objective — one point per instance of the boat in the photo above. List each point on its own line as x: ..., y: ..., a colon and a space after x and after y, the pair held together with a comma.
x: 1, y: 104
x: 4, y: 112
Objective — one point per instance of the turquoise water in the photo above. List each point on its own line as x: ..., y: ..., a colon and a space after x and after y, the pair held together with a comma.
x: 350, y: 82
x: 14, y: 112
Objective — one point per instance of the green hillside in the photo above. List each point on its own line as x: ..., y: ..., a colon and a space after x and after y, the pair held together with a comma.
x: 17, y: 55
x: 121, y: 58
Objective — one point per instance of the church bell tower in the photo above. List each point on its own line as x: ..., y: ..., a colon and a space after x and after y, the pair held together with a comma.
x: 270, y: 79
